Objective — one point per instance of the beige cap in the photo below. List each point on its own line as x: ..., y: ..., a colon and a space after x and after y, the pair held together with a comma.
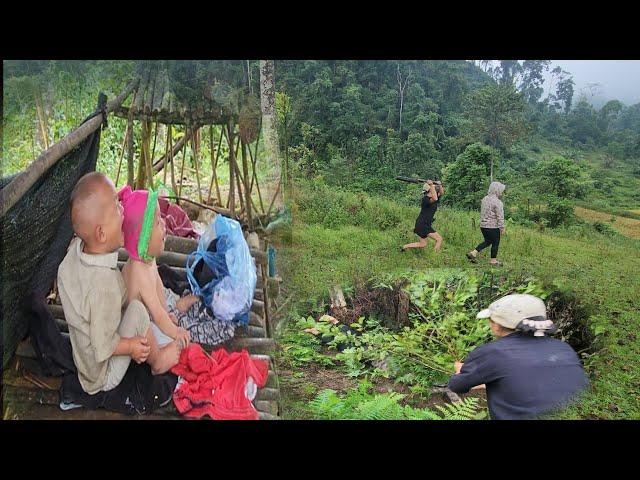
x: 510, y: 310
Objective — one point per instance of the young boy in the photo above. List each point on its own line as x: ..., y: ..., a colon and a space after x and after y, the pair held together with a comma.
x: 144, y: 236
x: 92, y: 292
x: 525, y: 373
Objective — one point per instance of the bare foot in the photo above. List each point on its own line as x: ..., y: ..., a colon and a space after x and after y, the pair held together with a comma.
x: 185, y: 303
x: 167, y: 357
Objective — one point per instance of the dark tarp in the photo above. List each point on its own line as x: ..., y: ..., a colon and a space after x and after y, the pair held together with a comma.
x: 35, y: 234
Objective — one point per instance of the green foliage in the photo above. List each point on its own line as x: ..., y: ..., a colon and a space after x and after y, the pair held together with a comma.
x: 299, y: 348
x: 497, y: 114
x: 559, y: 212
x: 443, y: 328
x: 559, y: 177
x: 361, y: 404
x: 467, y: 178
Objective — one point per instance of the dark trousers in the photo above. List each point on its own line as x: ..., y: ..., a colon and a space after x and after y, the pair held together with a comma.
x: 491, y: 237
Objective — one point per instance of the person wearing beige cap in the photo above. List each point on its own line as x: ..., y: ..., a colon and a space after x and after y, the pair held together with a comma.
x: 526, y: 373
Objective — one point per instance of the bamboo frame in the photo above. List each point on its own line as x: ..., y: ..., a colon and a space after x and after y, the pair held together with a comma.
x: 214, y: 165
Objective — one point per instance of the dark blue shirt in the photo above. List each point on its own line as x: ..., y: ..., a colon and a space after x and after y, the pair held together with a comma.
x: 525, y: 375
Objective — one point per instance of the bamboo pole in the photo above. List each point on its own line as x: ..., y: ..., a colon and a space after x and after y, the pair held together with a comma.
x: 214, y: 166
x: 147, y: 157
x: 231, y: 199
x: 166, y: 153
x: 162, y: 161
x: 254, y: 162
x: 124, y: 145
x: 195, y: 161
x: 275, y: 195
x: 222, y: 211
x: 10, y: 194
x: 173, y: 175
x: 142, y: 168
x: 155, y: 138
x: 247, y: 192
x: 130, y: 166
x: 184, y: 159
x: 254, y: 157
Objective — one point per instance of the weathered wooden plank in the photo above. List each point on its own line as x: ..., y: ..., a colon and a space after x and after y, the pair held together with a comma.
x: 249, y: 331
x: 179, y: 259
x: 139, y: 100
x: 183, y: 245
x: 256, y: 320
x: 158, y: 94
x: 267, y: 406
x: 252, y: 345
x: 267, y: 394
x: 258, y: 307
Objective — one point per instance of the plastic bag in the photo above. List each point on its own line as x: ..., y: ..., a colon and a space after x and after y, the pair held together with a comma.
x: 230, y: 296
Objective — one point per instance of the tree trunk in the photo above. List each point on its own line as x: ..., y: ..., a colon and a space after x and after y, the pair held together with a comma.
x: 268, y: 107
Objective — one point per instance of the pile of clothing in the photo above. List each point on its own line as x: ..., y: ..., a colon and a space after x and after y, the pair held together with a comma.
x: 176, y: 220
x: 222, y: 385
x: 222, y: 271
x: 198, y: 320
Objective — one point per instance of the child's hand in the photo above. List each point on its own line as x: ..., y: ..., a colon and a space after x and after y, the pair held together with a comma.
x: 173, y: 318
x: 139, y: 349
x: 185, y: 303
x: 182, y: 338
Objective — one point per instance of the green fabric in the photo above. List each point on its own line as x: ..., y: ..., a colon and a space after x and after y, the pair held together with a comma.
x: 147, y: 226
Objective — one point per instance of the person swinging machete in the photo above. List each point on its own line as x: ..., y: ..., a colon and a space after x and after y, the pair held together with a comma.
x: 432, y: 192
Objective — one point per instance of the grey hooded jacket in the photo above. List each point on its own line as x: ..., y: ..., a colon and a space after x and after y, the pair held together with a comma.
x: 491, y: 209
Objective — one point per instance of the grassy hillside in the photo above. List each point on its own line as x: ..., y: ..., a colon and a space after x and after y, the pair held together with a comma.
x: 341, y: 237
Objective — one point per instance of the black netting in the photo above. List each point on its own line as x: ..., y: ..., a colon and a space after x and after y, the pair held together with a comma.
x: 35, y: 235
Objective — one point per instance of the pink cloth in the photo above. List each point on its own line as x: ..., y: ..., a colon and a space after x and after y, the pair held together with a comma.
x: 176, y: 220
x: 218, y: 385
x: 134, y: 204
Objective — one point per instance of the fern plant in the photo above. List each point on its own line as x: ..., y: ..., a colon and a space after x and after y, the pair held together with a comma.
x: 361, y: 404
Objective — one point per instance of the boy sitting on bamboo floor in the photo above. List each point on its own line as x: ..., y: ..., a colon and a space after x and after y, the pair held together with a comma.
x: 144, y: 236
x: 104, y: 339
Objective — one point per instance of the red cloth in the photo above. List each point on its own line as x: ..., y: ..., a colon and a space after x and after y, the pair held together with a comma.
x: 215, y: 385
x: 176, y: 219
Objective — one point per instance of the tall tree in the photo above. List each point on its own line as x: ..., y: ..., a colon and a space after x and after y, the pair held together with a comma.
x: 533, y: 79
x: 269, y: 127
x: 497, y: 115
x: 402, y: 86
x: 563, y: 96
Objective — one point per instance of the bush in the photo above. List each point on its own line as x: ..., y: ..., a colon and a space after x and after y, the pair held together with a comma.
x: 560, y: 212
x: 467, y: 178
x: 604, y: 228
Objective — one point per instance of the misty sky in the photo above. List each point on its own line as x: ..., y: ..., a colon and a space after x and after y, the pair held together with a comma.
x: 619, y: 79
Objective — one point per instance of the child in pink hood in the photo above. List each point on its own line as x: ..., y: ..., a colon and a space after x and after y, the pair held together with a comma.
x: 144, y: 235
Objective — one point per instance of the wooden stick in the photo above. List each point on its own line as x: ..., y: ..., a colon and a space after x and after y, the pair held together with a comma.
x: 254, y: 163
x: 161, y: 162
x: 148, y: 157
x: 274, y: 197
x: 184, y: 158
x: 195, y: 161
x: 173, y: 175
x: 222, y: 211
x: 247, y: 192
x: 214, y: 165
x: 130, y: 164
x: 231, y: 195
x: 155, y: 138
x: 124, y: 145
x: 166, y: 153
x: 10, y: 194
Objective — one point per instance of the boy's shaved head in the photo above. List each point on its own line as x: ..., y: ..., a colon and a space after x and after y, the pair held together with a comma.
x: 91, y: 202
